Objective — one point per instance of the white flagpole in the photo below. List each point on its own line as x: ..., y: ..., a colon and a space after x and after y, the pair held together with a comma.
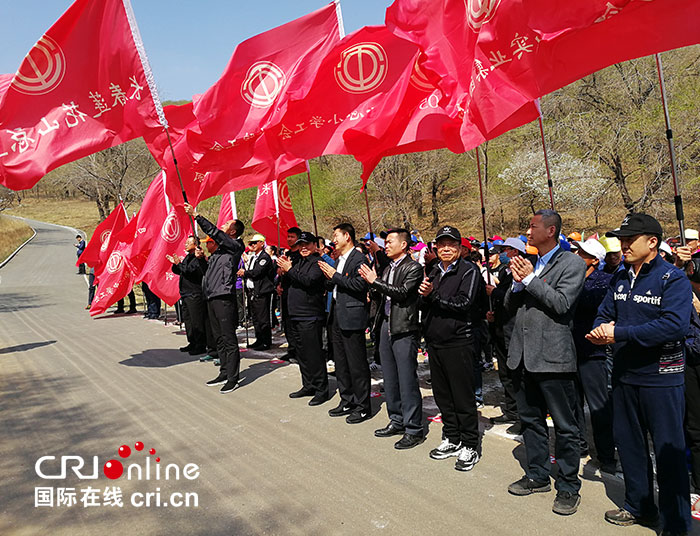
x: 234, y: 210
x: 339, y: 14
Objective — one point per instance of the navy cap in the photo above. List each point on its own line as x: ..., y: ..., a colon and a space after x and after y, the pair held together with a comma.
x: 449, y: 231
x: 636, y: 224
x: 307, y: 237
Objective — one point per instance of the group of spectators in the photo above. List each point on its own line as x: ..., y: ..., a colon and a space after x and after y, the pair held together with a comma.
x: 611, y: 323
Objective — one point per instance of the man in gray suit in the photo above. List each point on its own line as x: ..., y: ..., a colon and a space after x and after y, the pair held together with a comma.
x: 543, y: 360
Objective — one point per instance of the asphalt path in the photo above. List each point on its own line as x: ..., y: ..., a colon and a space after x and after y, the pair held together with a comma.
x: 71, y: 385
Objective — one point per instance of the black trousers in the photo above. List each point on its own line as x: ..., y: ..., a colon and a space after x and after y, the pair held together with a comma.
x: 404, y: 403
x: 223, y: 315
x: 260, y: 311
x: 555, y: 393
x: 132, y: 303
x: 91, y: 290
x: 692, y: 420
x: 312, y: 365
x: 240, y: 299
x: 500, y: 345
x: 452, y: 374
x: 657, y: 411
x: 592, y: 384
x: 351, y: 366
x: 194, y: 316
x: 288, y: 329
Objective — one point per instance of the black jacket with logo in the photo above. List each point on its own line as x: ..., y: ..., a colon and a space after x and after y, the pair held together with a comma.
x: 451, y: 312
x: 262, y: 274
x: 306, y: 293
x: 220, y: 279
x: 191, y: 271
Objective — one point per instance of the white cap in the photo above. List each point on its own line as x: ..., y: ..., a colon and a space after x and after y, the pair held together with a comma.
x: 514, y: 243
x: 691, y: 234
x: 593, y: 247
x: 665, y: 247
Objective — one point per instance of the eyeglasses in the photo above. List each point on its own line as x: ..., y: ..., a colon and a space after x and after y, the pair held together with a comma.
x: 253, y: 242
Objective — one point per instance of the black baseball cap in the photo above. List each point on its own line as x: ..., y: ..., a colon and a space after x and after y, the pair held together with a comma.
x: 308, y: 237
x: 449, y: 231
x: 636, y: 224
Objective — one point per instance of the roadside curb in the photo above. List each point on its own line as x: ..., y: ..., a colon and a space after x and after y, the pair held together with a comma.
x: 9, y: 258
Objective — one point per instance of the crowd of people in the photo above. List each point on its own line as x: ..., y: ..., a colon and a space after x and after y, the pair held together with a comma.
x: 608, y: 322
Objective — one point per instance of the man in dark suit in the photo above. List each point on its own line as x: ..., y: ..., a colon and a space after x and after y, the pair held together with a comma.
x: 191, y: 270
x: 259, y: 275
x: 542, y: 357
x: 349, y: 316
x: 397, y: 321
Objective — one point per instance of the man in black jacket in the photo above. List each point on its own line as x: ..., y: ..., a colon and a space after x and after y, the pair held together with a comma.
x: 348, y: 318
x: 259, y: 275
x: 397, y: 317
x: 306, y: 304
x: 219, y: 289
x: 293, y: 234
x: 191, y: 270
x: 451, y: 312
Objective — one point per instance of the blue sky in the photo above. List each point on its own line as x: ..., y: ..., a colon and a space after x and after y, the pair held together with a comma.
x: 188, y: 42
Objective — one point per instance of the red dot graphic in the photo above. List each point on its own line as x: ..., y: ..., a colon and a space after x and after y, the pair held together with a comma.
x: 138, y: 445
x: 113, y: 469
x: 124, y: 451
x: 152, y: 452
x: 157, y: 459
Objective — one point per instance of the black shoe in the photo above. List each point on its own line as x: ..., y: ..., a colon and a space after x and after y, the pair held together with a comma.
x: 389, y: 430
x: 502, y: 419
x: 340, y: 410
x: 318, y: 399
x: 302, y: 392
x: 262, y: 348
x: 514, y: 429
x: 285, y: 357
x: 408, y: 441
x: 609, y: 468
x: 186, y: 348
x: 131, y: 312
x: 197, y: 351
x: 584, y: 453
x: 253, y: 346
x: 217, y: 381
x: 527, y: 486
x: 566, y: 503
x: 119, y: 312
x: 356, y: 417
x: 228, y: 387
x: 624, y: 518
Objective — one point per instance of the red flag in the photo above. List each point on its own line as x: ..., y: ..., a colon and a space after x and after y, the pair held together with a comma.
x: 98, y: 248
x: 362, y: 80
x: 157, y: 271
x: 493, y: 57
x: 273, y: 200
x: 228, y: 210
x: 263, y: 73
x: 81, y: 89
x: 116, y: 278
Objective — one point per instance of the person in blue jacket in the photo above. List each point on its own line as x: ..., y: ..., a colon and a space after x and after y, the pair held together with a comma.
x: 645, y: 316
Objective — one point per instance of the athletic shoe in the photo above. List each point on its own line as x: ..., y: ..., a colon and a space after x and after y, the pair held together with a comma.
x: 527, y: 486
x: 340, y: 410
x: 186, y: 348
x: 217, y: 381
x: 566, y: 503
x: 624, y: 518
x: 356, y: 417
x: 445, y: 450
x: 206, y: 358
x: 228, y: 387
x: 466, y: 459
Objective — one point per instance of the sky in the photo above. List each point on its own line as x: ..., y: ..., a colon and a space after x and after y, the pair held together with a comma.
x: 188, y: 42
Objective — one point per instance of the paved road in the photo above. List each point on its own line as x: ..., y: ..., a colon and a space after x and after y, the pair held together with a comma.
x: 72, y: 385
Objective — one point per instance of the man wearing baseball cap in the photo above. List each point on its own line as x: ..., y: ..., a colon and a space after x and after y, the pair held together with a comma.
x: 593, y: 370
x: 645, y: 316
x: 259, y: 275
x: 451, y: 314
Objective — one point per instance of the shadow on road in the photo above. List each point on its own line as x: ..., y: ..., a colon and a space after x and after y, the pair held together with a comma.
x: 17, y: 301
x: 159, y: 358
x: 25, y: 347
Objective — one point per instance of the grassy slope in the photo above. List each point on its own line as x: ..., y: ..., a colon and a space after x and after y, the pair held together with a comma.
x: 14, y: 233
x: 81, y: 214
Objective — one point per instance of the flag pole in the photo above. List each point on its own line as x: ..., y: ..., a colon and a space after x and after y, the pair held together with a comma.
x: 311, y: 194
x: 546, y: 162
x: 677, y: 199
x: 276, y: 193
x: 179, y: 178
x: 483, y: 223
x: 369, y: 218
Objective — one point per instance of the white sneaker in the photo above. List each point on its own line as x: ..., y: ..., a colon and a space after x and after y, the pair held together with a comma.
x: 466, y: 459
x: 445, y: 450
